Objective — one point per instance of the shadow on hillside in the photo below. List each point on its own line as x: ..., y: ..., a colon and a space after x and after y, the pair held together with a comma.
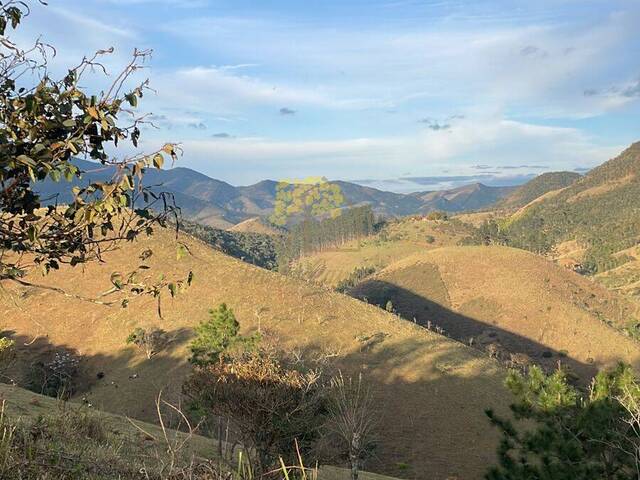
x: 510, y: 348
x: 117, y: 377
x: 426, y: 412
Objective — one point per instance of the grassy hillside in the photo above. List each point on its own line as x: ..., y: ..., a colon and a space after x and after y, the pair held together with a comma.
x: 599, y: 211
x: 431, y: 391
x: 468, y: 197
x: 513, y: 300
x: 23, y: 406
x: 537, y: 187
x: 398, y: 239
x: 256, y: 225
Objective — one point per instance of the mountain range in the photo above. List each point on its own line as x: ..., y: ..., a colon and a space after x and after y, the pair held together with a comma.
x: 219, y: 204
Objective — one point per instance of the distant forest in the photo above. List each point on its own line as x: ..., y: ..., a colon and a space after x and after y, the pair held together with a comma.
x: 313, y: 235
x: 274, y: 251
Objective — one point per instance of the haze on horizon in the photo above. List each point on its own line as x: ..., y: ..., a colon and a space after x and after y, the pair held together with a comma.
x: 386, y: 92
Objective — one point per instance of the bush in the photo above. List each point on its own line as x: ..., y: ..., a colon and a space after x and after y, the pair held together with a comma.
x: 430, y: 239
x: 150, y: 341
x: 58, y: 377
x: 269, y: 405
x: 218, y: 337
x: 7, y: 354
x: 354, y: 278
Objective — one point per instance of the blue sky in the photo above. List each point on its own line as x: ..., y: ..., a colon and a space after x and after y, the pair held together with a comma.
x: 377, y: 90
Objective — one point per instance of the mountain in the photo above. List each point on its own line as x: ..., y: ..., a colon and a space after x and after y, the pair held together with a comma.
x: 431, y: 390
x: 216, y: 203
x: 468, y: 197
x: 598, y: 211
x: 535, y: 188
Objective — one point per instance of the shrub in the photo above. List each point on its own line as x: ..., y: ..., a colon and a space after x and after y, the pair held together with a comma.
x: 437, y: 215
x: 150, y: 341
x: 7, y: 354
x: 430, y: 239
x: 354, y: 278
x: 218, y: 337
x: 58, y: 377
x: 269, y: 405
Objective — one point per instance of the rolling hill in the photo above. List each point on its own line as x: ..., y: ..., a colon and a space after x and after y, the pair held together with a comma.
x: 20, y: 405
x: 431, y: 390
x: 256, y: 225
x: 598, y: 211
x: 512, y: 300
x: 468, y: 197
x: 537, y: 187
x: 216, y: 203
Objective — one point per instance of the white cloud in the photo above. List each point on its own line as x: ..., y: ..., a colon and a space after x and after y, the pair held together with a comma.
x: 472, y: 141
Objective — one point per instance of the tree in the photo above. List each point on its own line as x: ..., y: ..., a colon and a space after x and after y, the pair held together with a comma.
x: 44, y: 125
x: 217, y: 337
x: 570, y: 434
x: 351, y: 417
x: 150, y: 341
x: 271, y: 407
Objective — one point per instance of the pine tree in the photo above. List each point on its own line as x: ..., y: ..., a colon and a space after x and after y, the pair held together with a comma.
x: 569, y: 434
x: 217, y: 336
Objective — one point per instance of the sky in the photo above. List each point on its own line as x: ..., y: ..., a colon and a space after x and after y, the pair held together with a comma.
x: 403, y: 95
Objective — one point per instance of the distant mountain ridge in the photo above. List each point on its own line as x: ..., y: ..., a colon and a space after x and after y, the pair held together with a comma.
x: 219, y: 204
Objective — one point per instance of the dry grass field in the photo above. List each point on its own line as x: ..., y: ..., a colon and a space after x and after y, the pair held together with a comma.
x: 255, y: 225
x: 430, y: 390
x: 398, y: 240
x: 21, y: 404
x: 511, y: 299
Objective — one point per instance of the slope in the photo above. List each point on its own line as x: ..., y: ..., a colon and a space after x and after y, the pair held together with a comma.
x: 599, y: 211
x: 256, y: 225
x: 398, y: 239
x: 510, y: 302
x: 22, y: 404
x: 537, y: 187
x: 468, y: 197
x: 430, y: 389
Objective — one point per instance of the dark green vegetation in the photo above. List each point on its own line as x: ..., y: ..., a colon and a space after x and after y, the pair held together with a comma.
x: 537, y: 187
x: 316, y: 235
x: 217, y: 337
x: 599, y: 211
x: 354, y: 278
x: 571, y: 434
x: 255, y: 248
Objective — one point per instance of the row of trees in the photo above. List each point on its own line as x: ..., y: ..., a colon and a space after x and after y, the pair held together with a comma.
x: 313, y: 235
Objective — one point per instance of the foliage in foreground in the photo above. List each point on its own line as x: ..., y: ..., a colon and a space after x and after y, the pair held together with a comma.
x: 568, y: 434
x: 45, y: 123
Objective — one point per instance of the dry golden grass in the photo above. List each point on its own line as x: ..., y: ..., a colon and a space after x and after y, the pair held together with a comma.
x: 19, y: 403
x: 515, y: 298
x: 400, y: 239
x: 431, y: 391
x: 254, y: 225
